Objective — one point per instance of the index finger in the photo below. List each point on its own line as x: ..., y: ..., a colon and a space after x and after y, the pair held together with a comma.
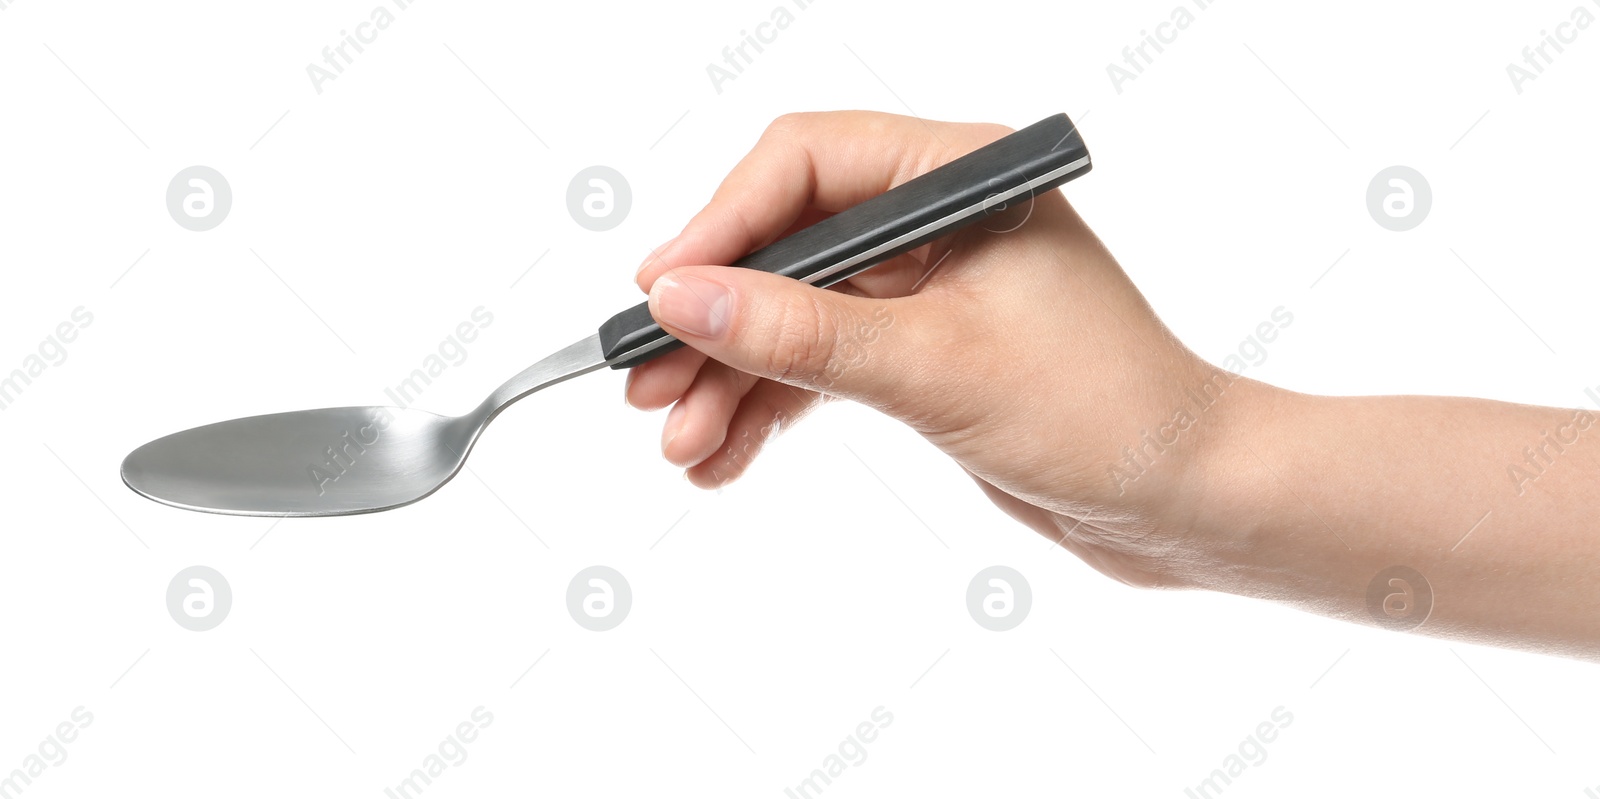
x: 806, y: 166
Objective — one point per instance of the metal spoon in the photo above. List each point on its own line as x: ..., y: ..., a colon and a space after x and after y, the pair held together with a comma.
x: 339, y: 461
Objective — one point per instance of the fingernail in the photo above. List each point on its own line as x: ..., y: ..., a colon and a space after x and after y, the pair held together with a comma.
x: 673, y: 426
x: 657, y: 254
x: 694, y: 305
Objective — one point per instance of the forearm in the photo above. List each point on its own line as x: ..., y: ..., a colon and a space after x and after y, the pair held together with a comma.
x: 1496, y: 506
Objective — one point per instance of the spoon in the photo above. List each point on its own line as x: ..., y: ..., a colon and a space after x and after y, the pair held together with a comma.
x: 340, y: 461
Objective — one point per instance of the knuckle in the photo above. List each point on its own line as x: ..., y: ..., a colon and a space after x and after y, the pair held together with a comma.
x: 789, y: 123
x: 996, y: 131
x: 979, y: 134
x: 737, y: 219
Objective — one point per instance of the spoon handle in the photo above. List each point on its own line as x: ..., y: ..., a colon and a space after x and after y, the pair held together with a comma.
x: 986, y: 181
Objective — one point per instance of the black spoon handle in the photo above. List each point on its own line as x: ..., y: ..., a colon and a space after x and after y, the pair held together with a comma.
x: 1014, y: 169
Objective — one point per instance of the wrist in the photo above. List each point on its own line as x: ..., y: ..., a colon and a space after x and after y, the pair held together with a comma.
x: 1221, y: 510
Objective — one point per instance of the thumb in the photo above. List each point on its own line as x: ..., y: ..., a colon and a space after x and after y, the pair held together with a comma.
x: 779, y: 328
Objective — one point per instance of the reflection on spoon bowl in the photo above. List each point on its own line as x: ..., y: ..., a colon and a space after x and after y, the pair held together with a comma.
x: 324, y: 462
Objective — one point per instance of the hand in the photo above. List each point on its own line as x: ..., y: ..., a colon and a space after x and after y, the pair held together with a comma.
x: 1024, y: 353
x: 1017, y: 346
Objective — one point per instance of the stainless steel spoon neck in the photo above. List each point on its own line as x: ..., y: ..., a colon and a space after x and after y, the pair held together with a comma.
x: 578, y: 358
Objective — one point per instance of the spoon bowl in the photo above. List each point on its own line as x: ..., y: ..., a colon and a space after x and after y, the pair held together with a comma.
x: 323, y: 462
x: 330, y: 461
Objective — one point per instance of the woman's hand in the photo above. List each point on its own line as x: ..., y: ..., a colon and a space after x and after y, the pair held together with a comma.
x: 1017, y: 346
x: 1021, y: 349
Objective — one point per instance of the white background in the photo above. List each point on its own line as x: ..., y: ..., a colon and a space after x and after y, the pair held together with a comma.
x: 776, y: 615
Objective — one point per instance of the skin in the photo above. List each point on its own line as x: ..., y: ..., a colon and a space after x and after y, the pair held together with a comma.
x: 1265, y: 493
